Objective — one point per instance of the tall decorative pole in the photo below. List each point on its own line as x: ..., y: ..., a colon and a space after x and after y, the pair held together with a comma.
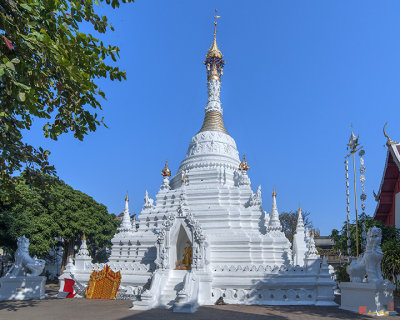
x: 348, y: 235
x: 353, y: 147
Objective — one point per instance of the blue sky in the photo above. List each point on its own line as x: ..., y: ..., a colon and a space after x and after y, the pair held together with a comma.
x: 297, y: 74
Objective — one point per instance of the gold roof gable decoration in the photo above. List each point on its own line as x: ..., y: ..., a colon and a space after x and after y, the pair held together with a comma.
x: 103, y: 284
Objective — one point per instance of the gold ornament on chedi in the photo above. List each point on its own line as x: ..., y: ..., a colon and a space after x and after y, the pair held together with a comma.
x: 214, y: 62
x: 244, y: 166
x: 103, y: 284
x: 166, y: 172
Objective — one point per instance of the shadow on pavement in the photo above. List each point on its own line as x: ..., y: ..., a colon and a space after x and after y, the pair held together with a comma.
x: 209, y: 313
x: 16, y: 305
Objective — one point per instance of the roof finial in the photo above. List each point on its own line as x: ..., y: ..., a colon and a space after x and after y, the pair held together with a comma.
x: 214, y: 62
x: 215, y: 24
x: 126, y: 198
x: 274, y: 192
x: 389, y: 141
x: 299, y: 206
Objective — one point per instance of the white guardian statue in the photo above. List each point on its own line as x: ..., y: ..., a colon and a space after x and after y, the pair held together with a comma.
x: 367, y: 290
x: 22, y: 281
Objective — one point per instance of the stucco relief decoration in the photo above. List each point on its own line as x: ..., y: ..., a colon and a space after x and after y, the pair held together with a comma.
x: 214, y: 102
x: 212, y: 141
x: 240, y: 178
x: 148, y: 202
x: 255, y: 198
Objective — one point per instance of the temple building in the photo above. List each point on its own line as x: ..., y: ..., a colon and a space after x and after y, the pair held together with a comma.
x: 388, y: 197
x: 206, y: 235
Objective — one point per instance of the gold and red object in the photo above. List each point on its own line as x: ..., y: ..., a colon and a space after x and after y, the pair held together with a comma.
x: 166, y: 172
x: 244, y: 166
x: 103, y: 284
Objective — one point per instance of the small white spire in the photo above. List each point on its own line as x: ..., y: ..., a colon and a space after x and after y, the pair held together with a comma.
x: 312, y: 250
x: 300, y: 223
x: 126, y: 219
x: 274, y: 223
x: 83, y: 250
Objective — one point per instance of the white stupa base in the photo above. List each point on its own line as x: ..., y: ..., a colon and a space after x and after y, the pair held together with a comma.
x: 22, y: 288
x: 364, y: 297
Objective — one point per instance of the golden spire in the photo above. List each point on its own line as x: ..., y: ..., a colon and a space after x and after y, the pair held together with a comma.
x: 83, y: 236
x: 166, y: 172
x: 244, y: 166
x: 214, y: 52
x: 214, y: 62
x: 299, y: 206
x: 127, y: 198
x: 274, y: 192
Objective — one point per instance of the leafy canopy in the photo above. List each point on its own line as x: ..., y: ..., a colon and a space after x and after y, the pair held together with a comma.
x: 390, y: 243
x: 289, y: 222
x: 59, y: 212
x: 48, y: 69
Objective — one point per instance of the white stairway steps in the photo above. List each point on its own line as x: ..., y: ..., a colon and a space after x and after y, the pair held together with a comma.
x: 171, y: 288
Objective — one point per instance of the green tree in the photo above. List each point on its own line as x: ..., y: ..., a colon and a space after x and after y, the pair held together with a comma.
x: 390, y: 243
x: 391, y: 260
x: 289, y: 222
x: 59, y: 212
x: 340, y: 237
x: 48, y: 70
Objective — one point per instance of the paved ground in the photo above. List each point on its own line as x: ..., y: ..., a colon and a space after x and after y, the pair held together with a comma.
x: 67, y: 309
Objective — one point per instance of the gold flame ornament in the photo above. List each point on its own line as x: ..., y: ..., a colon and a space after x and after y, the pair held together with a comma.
x: 244, y: 166
x: 166, y: 172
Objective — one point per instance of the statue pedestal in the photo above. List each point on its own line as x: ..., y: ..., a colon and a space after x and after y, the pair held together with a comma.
x: 365, y: 297
x: 22, y: 288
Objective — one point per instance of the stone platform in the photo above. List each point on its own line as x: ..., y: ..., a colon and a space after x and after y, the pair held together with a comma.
x: 22, y: 288
x: 367, y: 297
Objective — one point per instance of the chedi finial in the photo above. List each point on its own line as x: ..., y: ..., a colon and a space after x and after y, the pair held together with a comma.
x: 214, y: 62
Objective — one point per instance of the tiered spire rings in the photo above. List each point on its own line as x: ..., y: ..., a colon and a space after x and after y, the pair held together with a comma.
x: 244, y: 166
x: 166, y: 172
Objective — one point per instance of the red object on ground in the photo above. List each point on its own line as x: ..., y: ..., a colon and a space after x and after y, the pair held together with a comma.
x: 69, y: 287
x: 362, y: 309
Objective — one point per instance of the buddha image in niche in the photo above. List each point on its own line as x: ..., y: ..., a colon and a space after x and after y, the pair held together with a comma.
x: 186, y: 261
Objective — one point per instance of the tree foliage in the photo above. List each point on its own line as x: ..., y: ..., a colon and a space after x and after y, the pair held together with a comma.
x: 340, y: 237
x: 48, y: 69
x: 60, y: 212
x: 390, y: 243
x: 289, y: 222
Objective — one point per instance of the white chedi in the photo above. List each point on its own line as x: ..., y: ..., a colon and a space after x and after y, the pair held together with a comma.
x: 206, y: 235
